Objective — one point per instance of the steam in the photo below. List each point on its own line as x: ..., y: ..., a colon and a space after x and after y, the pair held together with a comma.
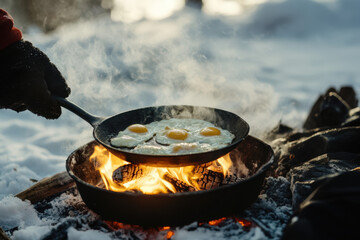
x: 113, y: 67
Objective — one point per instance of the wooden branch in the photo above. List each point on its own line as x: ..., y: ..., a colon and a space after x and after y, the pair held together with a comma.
x: 3, y: 235
x: 47, y: 187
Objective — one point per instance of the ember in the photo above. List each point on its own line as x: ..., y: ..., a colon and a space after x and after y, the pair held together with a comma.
x: 168, y: 232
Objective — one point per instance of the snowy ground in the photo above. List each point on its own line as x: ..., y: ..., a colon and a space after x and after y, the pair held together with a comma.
x: 268, y: 64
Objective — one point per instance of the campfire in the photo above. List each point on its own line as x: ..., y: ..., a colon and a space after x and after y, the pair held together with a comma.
x: 119, y: 176
x: 144, y: 195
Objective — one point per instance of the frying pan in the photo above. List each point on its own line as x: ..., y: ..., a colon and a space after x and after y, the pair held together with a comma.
x: 107, y: 128
x: 173, y: 209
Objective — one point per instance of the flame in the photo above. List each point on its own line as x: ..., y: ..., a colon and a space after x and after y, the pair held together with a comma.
x: 156, y: 180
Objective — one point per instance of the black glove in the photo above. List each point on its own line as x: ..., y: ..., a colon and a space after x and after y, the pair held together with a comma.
x: 28, y: 79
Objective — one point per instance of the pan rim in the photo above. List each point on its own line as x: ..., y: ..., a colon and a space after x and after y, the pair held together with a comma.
x: 230, y: 147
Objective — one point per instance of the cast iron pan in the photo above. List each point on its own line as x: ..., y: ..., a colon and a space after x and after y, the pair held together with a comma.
x: 106, y: 128
x: 173, y: 209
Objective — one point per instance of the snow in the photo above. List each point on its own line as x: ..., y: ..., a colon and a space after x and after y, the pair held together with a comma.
x: 267, y: 64
x: 74, y: 234
x: 31, y: 232
x: 17, y: 213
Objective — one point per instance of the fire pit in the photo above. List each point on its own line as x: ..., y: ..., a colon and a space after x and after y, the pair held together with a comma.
x: 216, y: 198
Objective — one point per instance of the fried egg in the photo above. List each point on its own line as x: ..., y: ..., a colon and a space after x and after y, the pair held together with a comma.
x: 173, y: 136
x: 132, y: 136
x: 214, y: 136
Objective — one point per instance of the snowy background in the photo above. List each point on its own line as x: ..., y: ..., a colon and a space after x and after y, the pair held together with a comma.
x: 267, y: 62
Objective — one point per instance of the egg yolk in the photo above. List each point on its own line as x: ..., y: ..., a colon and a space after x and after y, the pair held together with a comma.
x: 137, y: 128
x: 178, y: 134
x: 210, y: 131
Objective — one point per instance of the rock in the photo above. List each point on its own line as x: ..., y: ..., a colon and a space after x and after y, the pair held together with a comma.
x: 330, y: 212
x: 329, y: 111
x: 295, y: 153
x: 319, y: 163
x: 353, y: 119
x: 302, y: 178
x: 279, y: 131
x: 348, y: 94
x: 332, y: 108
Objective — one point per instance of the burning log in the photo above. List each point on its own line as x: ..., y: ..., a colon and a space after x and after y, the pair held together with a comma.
x: 47, y: 187
x: 129, y: 172
x: 230, y: 179
x: 212, y: 179
x: 179, y: 185
x: 209, y: 176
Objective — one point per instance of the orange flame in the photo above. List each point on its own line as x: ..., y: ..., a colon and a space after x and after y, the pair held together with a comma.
x: 153, y: 182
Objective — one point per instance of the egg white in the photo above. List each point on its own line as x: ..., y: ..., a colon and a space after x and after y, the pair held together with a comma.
x: 224, y: 138
x: 186, y: 148
x: 151, y: 149
x: 131, y: 139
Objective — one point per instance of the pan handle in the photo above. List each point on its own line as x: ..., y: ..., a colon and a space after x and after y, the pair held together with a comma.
x: 93, y: 120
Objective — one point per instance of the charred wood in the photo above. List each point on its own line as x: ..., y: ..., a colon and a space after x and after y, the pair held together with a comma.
x: 179, y: 185
x: 211, y: 179
x: 129, y: 172
x: 209, y: 176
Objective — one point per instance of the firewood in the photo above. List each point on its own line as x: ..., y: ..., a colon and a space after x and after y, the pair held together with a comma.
x: 179, y: 185
x: 231, y: 179
x: 3, y: 235
x: 210, y: 179
x: 47, y: 187
x: 129, y: 172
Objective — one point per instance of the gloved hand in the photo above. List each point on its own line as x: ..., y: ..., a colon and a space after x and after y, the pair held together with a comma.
x: 28, y: 79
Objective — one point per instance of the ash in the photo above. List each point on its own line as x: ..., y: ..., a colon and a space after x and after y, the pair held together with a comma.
x: 67, y: 217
